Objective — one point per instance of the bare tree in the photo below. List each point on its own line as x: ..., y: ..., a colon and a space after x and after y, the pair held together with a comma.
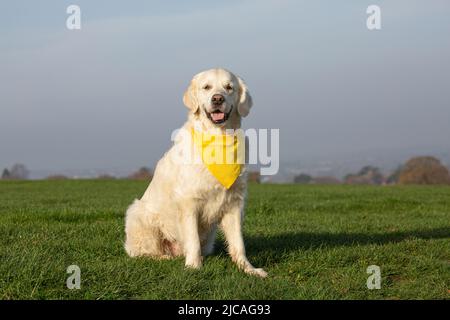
x: 18, y: 172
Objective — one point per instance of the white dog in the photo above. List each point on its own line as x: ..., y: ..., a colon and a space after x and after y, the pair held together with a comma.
x: 183, y: 205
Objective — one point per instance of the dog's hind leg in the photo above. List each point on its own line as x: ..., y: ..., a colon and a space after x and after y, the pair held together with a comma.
x: 142, y: 237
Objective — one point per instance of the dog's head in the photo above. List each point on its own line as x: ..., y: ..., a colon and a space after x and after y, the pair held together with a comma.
x: 218, y: 97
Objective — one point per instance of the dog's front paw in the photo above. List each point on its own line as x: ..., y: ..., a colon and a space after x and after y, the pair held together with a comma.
x: 257, y: 272
x: 193, y: 263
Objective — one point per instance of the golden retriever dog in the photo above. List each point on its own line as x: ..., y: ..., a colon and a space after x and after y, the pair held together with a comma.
x: 184, y: 204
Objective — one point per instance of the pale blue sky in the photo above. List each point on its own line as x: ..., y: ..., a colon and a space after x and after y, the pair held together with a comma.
x: 109, y: 95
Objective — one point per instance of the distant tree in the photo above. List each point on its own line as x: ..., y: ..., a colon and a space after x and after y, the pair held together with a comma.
x: 367, y: 175
x: 142, y: 174
x: 394, y: 176
x: 254, y: 176
x: 6, y: 174
x: 302, y: 178
x: 424, y: 170
x: 19, y: 172
x: 373, y: 174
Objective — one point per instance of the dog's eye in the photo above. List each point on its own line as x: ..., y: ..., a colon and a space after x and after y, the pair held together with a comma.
x: 228, y: 87
x: 206, y: 87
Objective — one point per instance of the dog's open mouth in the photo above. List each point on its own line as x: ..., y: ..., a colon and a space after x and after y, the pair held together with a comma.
x: 218, y: 117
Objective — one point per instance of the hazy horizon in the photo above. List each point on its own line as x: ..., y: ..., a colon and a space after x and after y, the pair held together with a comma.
x: 110, y: 95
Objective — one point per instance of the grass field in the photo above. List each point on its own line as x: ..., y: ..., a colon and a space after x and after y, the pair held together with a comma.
x: 315, y: 241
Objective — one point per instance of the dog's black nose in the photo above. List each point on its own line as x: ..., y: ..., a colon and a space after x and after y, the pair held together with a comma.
x: 217, y: 99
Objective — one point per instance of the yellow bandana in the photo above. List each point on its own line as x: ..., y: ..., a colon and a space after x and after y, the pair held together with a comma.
x: 223, y: 155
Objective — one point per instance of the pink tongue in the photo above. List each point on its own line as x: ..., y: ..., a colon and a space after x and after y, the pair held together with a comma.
x: 217, y: 116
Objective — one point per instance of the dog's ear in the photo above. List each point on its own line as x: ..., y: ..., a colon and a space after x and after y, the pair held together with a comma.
x: 190, y: 97
x: 245, y: 99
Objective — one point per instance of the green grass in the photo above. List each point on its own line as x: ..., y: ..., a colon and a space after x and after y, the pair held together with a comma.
x: 315, y: 241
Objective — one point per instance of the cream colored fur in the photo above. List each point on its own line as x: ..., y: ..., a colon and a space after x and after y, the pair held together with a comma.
x: 184, y: 204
